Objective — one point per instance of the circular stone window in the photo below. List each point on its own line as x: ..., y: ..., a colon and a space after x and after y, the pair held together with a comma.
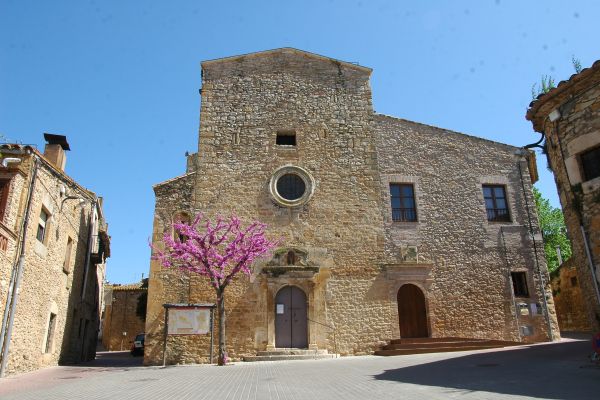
x: 291, y: 186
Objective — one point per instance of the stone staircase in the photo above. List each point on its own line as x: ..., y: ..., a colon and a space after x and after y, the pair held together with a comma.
x: 290, y: 354
x: 398, y: 347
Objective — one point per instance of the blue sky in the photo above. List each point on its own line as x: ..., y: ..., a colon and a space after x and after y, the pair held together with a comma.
x: 120, y: 78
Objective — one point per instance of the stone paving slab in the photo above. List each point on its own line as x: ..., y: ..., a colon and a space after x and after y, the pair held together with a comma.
x: 548, y: 371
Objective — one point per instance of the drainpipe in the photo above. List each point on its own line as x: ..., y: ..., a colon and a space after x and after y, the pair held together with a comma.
x: 13, y: 272
x: 19, y: 273
x: 535, y: 251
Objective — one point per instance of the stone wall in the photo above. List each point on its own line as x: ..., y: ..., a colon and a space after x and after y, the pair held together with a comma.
x: 350, y: 267
x: 468, y: 287
x: 121, y: 322
x: 575, y: 130
x: 568, y: 299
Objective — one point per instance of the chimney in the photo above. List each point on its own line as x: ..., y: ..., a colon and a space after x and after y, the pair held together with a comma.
x: 55, y: 150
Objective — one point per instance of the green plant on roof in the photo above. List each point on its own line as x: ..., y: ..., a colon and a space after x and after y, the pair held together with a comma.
x: 546, y: 84
x: 576, y: 64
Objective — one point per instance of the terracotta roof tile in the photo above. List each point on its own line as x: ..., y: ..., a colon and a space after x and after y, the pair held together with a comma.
x: 562, y: 87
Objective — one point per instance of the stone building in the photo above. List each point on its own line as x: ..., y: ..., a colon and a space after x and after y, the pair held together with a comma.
x: 568, y: 300
x: 568, y: 117
x: 53, y: 245
x: 390, y: 228
x: 121, y: 321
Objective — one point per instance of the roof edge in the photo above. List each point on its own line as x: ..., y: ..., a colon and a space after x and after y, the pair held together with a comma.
x: 163, y: 183
x: 288, y: 49
x: 58, y: 172
x: 513, y: 147
x: 562, y: 87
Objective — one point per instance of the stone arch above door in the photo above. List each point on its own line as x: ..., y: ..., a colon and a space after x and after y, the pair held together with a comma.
x: 417, y: 274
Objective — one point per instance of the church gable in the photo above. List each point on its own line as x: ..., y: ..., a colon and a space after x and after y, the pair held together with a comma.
x: 284, y: 61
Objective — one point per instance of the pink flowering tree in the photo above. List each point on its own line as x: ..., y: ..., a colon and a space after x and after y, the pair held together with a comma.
x: 219, y: 251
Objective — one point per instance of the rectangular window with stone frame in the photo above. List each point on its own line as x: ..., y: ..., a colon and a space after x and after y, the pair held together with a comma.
x: 286, y: 138
x: 519, y: 281
x: 402, y: 196
x: 496, y: 204
x: 43, y: 225
x: 590, y: 164
x: 4, y: 187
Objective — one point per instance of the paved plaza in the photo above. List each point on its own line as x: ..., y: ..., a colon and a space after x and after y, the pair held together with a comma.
x: 544, y: 371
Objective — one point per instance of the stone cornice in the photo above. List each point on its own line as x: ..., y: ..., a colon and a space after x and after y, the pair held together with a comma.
x: 290, y: 50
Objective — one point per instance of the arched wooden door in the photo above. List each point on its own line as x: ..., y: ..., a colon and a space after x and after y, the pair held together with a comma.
x: 411, y: 312
x: 291, y: 318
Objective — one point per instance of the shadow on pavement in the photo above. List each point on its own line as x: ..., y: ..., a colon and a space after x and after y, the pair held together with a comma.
x: 554, y: 371
x: 113, y: 359
x: 46, y: 378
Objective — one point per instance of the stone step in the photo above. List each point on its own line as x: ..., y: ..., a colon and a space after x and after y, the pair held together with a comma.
x: 397, y: 347
x: 300, y: 352
x: 440, y: 344
x: 287, y: 357
x: 422, y: 350
x: 431, y: 340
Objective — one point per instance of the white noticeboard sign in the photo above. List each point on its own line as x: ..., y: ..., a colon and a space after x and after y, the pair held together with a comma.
x: 189, y: 321
x: 280, y: 309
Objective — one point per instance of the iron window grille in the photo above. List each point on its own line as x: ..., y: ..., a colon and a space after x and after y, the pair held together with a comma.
x: 495, y: 203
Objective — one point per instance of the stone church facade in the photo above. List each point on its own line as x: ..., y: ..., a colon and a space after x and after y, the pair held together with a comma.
x: 389, y: 228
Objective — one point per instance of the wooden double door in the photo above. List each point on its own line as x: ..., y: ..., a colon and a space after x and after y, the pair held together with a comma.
x: 412, y: 312
x: 291, y: 318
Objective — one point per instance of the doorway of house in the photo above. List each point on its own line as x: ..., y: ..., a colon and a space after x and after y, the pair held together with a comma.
x: 291, y: 318
x: 412, y: 312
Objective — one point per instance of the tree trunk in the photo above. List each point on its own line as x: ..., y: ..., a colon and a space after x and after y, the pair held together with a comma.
x: 222, y: 360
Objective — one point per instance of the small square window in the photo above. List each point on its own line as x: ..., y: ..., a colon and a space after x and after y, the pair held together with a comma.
x: 180, y: 218
x: 590, y: 163
x: 402, y: 196
x: 519, y: 281
x: 286, y: 138
x: 496, y: 205
x: 573, y: 281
